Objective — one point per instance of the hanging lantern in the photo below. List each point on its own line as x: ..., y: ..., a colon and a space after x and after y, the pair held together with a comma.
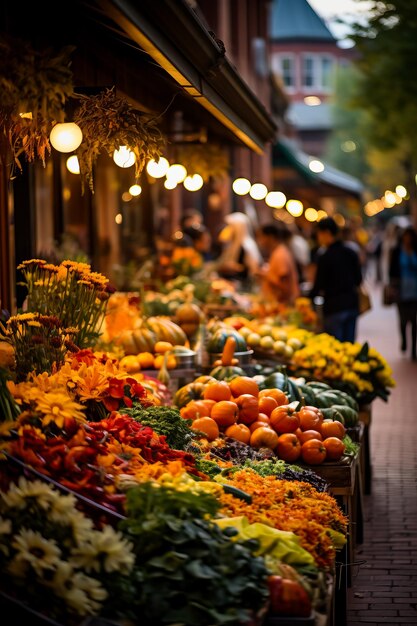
x: 123, y: 157
x: 66, y: 137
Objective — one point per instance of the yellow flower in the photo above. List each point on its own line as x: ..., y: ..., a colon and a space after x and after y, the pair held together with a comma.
x: 106, y: 549
x: 35, y: 551
x: 56, y: 407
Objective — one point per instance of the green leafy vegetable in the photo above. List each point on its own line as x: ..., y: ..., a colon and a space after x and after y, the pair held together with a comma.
x: 167, y: 421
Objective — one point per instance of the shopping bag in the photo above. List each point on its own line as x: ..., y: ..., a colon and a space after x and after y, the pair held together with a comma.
x: 365, y: 303
x: 389, y: 295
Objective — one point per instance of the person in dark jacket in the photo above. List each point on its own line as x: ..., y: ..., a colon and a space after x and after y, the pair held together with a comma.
x: 403, y: 276
x: 338, y: 277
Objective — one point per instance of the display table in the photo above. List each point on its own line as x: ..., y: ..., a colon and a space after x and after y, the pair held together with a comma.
x: 344, y: 482
x: 365, y: 417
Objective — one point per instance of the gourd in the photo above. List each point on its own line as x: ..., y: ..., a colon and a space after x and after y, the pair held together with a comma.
x: 192, y: 391
x: 219, y: 338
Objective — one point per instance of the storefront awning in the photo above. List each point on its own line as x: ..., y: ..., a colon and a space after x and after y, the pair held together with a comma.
x: 175, y: 38
x: 286, y: 153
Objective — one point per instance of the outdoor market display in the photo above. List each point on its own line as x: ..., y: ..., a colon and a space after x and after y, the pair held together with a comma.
x: 115, y: 503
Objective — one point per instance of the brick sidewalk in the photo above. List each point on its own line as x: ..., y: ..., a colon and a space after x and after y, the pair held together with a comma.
x: 384, y: 587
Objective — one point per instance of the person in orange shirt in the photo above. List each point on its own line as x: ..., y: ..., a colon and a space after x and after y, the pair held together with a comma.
x: 279, y: 277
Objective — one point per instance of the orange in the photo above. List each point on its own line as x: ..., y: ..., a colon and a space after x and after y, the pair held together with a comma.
x: 207, y: 426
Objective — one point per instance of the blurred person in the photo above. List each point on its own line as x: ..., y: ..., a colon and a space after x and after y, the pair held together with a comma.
x: 338, y: 277
x: 201, y: 240
x: 374, y: 251
x: 191, y: 219
x: 403, y: 275
x: 300, y: 249
x: 389, y: 242
x: 240, y: 258
x: 279, y: 277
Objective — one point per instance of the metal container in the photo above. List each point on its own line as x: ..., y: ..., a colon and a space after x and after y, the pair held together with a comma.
x: 186, y: 361
x: 244, y: 358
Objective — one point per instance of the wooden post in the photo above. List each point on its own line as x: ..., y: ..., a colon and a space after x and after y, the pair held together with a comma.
x: 7, y: 300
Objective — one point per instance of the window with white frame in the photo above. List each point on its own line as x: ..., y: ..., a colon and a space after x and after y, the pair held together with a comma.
x: 317, y: 72
x: 284, y: 66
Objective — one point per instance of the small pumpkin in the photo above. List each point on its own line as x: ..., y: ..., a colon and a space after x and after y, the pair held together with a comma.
x: 264, y: 437
x: 248, y: 408
x: 242, y: 385
x: 225, y: 413
x: 217, y: 390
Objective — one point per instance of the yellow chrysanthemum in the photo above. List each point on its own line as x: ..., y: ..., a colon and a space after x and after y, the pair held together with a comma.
x: 56, y: 407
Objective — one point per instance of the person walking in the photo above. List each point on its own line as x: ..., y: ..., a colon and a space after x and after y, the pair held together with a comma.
x: 403, y: 276
x: 338, y: 278
x: 279, y: 277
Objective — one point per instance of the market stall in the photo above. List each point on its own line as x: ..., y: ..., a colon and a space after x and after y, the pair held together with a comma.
x: 216, y: 505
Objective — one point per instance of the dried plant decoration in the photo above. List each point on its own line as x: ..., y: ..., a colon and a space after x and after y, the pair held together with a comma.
x: 108, y: 122
x: 209, y: 160
x: 34, y: 87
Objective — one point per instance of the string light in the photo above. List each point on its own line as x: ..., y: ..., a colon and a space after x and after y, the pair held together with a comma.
x: 176, y: 172
x: 170, y: 183
x: 258, y: 191
x: 316, y: 166
x: 311, y: 214
x: 295, y: 208
x: 275, y: 199
x: 66, y: 137
x: 73, y: 164
x: 193, y: 183
x: 157, y: 169
x: 241, y: 186
x: 135, y: 190
x: 123, y: 157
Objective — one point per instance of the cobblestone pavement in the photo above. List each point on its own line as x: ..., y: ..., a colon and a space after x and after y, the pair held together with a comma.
x: 384, y: 586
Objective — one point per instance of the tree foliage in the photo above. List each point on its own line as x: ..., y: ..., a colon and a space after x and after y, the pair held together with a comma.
x: 387, y: 89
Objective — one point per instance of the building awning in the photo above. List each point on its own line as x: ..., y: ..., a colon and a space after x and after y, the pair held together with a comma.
x: 286, y: 153
x: 173, y: 35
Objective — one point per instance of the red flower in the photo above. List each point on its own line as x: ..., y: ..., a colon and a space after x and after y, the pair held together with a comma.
x: 85, y: 356
x: 116, y: 388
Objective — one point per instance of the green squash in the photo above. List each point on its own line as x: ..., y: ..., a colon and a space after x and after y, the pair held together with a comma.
x: 192, y: 391
x: 218, y: 339
x: 226, y: 372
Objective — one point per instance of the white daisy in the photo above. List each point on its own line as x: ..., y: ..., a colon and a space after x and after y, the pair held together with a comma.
x: 82, y: 526
x: 19, y: 495
x: 34, y: 550
x: 82, y: 593
x: 62, y: 508
x: 106, y: 550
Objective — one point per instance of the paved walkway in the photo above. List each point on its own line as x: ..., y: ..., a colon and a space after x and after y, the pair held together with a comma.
x: 384, y: 587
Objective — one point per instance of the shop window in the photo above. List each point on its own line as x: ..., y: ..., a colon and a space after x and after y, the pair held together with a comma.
x: 284, y: 66
x: 317, y: 72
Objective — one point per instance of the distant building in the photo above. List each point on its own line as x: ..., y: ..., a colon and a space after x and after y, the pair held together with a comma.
x: 305, y: 56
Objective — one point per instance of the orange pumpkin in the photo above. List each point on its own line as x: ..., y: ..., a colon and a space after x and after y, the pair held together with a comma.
x: 240, y: 432
x: 284, y: 419
x: 225, y: 413
x: 264, y: 437
x: 277, y: 394
x: 267, y: 404
x: 242, y: 385
x: 194, y: 410
x: 207, y: 426
x: 248, y: 408
x: 258, y: 424
x: 289, y: 447
x: 334, y: 448
x: 330, y: 428
x: 218, y: 391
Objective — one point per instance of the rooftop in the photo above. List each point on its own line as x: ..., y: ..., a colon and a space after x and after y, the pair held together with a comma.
x: 296, y: 20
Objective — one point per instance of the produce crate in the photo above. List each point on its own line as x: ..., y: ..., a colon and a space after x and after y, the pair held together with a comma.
x: 281, y: 620
x: 365, y: 417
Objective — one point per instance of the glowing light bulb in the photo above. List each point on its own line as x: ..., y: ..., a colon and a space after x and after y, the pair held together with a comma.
x: 316, y: 166
x: 66, y: 137
x: 176, y: 172
x: 241, y: 186
x: 170, y: 183
x: 401, y: 191
x: 258, y: 191
x: 311, y: 214
x: 321, y: 214
x: 193, y: 183
x: 276, y: 199
x: 118, y: 218
x: 123, y: 157
x: 312, y: 101
x: 73, y: 164
x: 295, y: 208
x: 157, y: 169
x: 135, y: 190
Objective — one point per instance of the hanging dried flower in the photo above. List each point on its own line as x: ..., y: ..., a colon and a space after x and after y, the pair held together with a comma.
x: 108, y: 122
x: 209, y: 160
x: 34, y: 86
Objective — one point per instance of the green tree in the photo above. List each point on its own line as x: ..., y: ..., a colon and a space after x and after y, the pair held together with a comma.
x: 386, y: 88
